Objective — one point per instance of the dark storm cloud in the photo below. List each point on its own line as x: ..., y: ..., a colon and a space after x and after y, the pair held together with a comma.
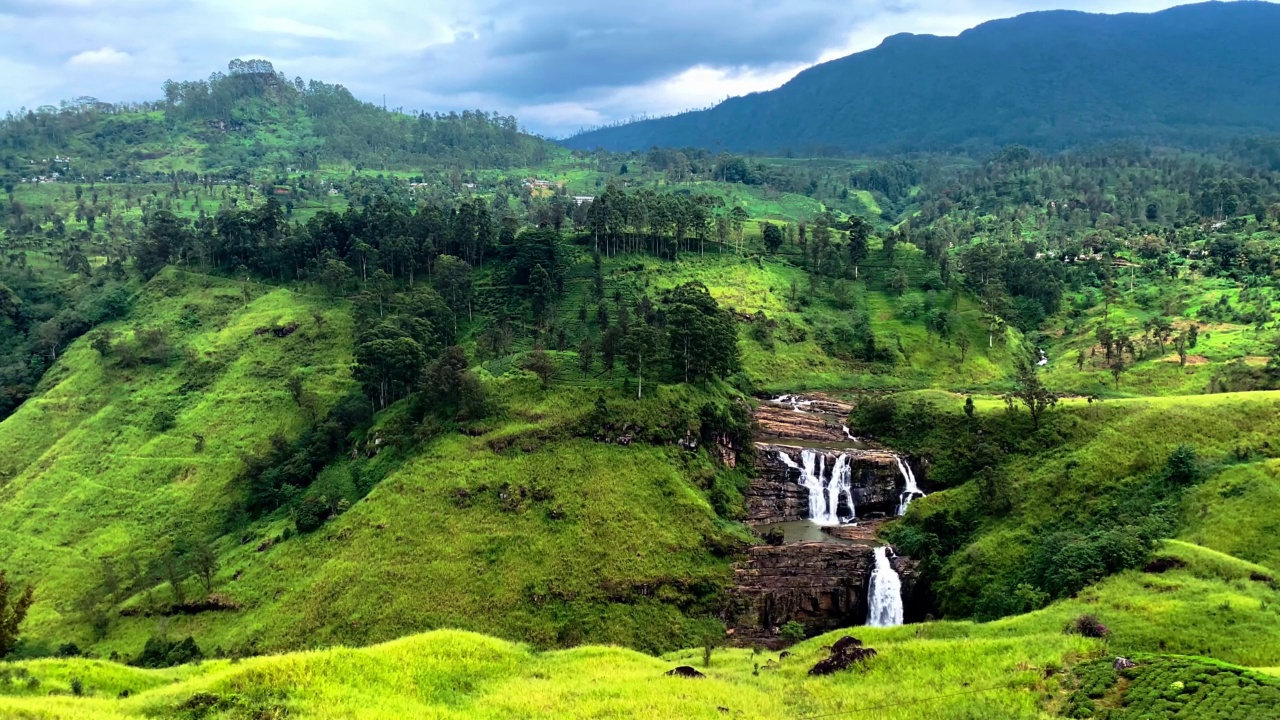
x: 550, y: 52
x: 556, y: 64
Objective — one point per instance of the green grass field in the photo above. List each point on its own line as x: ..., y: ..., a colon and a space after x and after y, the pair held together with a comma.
x: 1014, y: 668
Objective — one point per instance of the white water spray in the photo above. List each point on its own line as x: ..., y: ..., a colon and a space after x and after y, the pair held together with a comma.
x: 786, y: 460
x: 824, y: 493
x: 794, y: 401
x: 884, y: 593
x: 911, y: 490
x: 841, y: 483
x: 812, y: 466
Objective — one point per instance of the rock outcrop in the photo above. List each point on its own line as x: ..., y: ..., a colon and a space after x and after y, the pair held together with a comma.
x: 775, y: 496
x: 782, y: 421
x: 823, y: 586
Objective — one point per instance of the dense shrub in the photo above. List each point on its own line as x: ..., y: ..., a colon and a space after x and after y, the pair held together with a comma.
x: 792, y: 631
x: 1160, y: 688
x: 160, y: 652
x: 296, y: 464
x: 1089, y: 626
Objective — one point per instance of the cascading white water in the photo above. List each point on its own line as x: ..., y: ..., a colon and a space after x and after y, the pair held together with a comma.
x: 812, y: 464
x: 884, y: 593
x: 841, y: 482
x: 786, y: 460
x: 824, y: 493
x: 794, y: 401
x: 910, y: 490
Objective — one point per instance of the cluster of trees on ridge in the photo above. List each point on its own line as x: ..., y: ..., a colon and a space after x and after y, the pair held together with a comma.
x: 254, y: 117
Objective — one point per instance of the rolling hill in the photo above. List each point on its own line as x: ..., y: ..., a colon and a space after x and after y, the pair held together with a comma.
x: 1188, y: 76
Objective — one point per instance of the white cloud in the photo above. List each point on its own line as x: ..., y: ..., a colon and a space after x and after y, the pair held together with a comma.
x: 289, y: 26
x: 101, y: 56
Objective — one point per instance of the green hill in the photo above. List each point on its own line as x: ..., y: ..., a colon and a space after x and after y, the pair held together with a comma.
x: 114, y: 472
x: 248, y: 119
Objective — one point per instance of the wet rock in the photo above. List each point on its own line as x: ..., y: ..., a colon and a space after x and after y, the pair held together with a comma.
x: 844, y: 644
x: 685, y: 671
x: 861, y: 531
x: 823, y: 586
x: 783, y: 422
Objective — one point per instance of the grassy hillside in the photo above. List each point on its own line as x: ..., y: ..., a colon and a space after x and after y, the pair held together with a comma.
x: 406, y: 398
x: 1026, y: 667
x: 519, y: 528
x: 456, y: 675
x: 1053, y: 511
x: 804, y: 349
x: 106, y: 464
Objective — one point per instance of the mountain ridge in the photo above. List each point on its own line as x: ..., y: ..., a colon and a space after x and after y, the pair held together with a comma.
x: 1049, y: 80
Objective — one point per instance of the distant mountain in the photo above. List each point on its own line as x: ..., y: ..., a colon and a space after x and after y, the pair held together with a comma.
x: 1187, y: 76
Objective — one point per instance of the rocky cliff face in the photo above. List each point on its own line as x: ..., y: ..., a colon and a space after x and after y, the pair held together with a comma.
x: 823, y: 586
x: 777, y: 494
x: 817, y: 421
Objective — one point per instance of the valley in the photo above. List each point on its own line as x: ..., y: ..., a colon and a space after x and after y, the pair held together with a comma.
x: 314, y: 409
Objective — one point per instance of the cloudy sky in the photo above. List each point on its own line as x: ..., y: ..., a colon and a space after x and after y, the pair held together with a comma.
x: 558, y: 65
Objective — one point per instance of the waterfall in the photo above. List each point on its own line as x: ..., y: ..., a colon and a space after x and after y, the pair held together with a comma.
x: 1044, y: 359
x: 848, y: 435
x: 841, y: 482
x: 824, y: 493
x: 884, y: 593
x: 811, y: 472
x: 786, y: 460
x: 910, y: 490
x: 794, y: 401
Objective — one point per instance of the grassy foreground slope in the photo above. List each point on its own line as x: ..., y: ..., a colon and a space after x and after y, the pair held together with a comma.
x: 1015, y: 668
x: 450, y: 674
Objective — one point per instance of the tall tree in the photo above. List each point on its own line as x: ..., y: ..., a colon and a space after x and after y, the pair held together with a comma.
x: 1030, y: 391
x: 703, y: 338
x: 859, y: 233
x: 772, y: 237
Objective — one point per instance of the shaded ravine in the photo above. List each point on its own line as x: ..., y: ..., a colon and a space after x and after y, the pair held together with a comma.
x: 818, y: 498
